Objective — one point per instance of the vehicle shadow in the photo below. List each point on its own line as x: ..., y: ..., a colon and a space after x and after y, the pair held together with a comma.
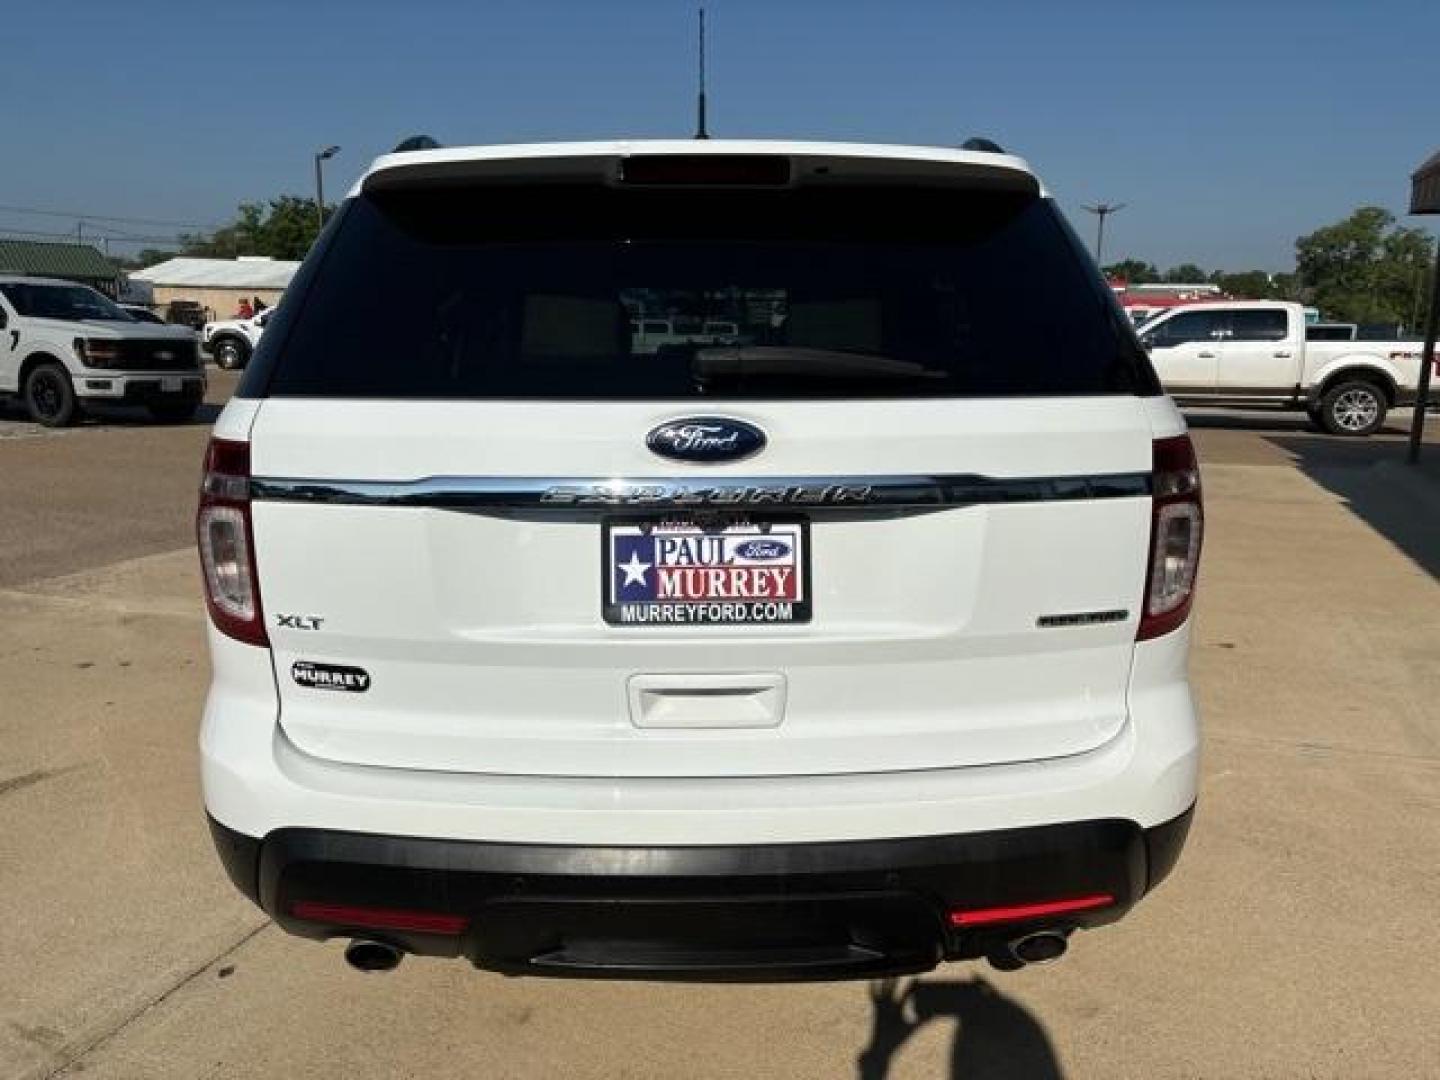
x: 995, y: 1038
x: 1399, y: 501
x: 1276, y: 421
x: 131, y: 416
x: 120, y: 416
x: 1398, y: 423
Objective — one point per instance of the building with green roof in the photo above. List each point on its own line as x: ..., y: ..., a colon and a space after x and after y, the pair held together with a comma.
x: 71, y: 262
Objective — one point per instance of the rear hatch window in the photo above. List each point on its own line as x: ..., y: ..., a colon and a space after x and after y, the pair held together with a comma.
x: 481, y: 291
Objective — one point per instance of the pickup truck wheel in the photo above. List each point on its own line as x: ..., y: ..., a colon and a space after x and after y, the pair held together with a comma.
x: 50, y: 397
x: 230, y: 354
x: 1353, y: 408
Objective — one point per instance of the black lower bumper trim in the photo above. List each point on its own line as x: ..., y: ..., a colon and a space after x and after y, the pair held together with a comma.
x: 1163, y: 844
x: 240, y: 855
x: 146, y: 391
x: 853, y: 909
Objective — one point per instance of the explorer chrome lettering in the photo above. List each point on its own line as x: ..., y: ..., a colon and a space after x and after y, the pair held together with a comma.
x: 705, y: 495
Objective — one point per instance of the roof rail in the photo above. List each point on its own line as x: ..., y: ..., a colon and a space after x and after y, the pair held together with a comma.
x: 415, y: 142
x: 983, y: 145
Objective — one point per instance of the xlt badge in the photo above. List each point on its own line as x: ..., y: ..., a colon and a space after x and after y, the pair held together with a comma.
x: 330, y: 676
x: 299, y: 622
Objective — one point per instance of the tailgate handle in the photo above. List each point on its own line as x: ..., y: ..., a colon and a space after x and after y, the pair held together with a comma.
x: 708, y: 700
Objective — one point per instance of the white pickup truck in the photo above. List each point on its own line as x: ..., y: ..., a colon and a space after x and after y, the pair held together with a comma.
x: 62, y: 345
x: 231, y: 341
x: 1256, y: 353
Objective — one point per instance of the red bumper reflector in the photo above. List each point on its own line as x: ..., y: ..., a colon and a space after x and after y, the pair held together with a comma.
x: 419, y: 922
x: 1023, y: 912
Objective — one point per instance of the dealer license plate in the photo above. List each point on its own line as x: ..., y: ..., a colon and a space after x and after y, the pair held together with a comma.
x: 685, y: 573
x: 172, y: 386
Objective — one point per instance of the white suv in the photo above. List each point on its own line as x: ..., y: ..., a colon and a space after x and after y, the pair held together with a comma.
x: 845, y: 650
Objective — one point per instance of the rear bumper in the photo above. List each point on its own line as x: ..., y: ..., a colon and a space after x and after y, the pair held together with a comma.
x: 257, y: 782
x: 853, y: 909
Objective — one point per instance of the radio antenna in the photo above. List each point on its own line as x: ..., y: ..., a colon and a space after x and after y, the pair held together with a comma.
x: 700, y: 132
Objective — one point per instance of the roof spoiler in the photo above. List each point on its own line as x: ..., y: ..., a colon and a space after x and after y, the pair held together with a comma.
x: 673, y: 161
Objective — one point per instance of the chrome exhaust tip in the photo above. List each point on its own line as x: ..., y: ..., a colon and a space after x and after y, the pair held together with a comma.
x: 1041, y: 947
x: 363, y: 954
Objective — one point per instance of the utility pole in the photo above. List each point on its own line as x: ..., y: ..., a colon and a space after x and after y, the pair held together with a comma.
x: 321, y: 156
x: 1101, y: 212
x: 700, y: 132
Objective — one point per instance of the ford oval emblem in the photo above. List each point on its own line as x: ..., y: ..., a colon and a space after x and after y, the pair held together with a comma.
x: 763, y: 549
x: 705, y: 439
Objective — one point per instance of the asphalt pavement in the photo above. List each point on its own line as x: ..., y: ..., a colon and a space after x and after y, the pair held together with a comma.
x: 1292, y: 940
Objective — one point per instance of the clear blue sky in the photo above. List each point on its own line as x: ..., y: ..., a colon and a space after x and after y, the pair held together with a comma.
x: 1228, y: 128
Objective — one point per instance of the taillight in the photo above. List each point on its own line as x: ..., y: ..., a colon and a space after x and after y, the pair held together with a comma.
x: 1026, y: 912
x: 374, y: 918
x: 227, y: 543
x: 1177, y: 522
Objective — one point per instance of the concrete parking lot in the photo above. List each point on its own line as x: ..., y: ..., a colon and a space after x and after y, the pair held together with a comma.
x: 1292, y: 941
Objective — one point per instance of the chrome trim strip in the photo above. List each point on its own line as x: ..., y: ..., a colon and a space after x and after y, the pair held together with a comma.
x: 582, y: 494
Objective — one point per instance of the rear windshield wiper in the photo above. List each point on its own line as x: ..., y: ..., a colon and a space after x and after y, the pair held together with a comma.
x: 795, y: 361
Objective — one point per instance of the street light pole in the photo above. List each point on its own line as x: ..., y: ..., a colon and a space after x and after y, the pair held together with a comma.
x: 1102, y: 211
x: 321, y: 156
x: 700, y: 132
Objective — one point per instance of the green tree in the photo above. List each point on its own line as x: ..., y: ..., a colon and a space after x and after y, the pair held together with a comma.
x: 1134, y: 271
x: 282, y: 229
x: 1244, y: 284
x: 1407, y: 258
x: 290, y: 227
x: 1257, y: 285
x: 1289, y: 287
x: 1365, y: 268
x: 1187, y: 274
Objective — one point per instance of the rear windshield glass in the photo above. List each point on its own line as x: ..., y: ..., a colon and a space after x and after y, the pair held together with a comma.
x: 594, y: 292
